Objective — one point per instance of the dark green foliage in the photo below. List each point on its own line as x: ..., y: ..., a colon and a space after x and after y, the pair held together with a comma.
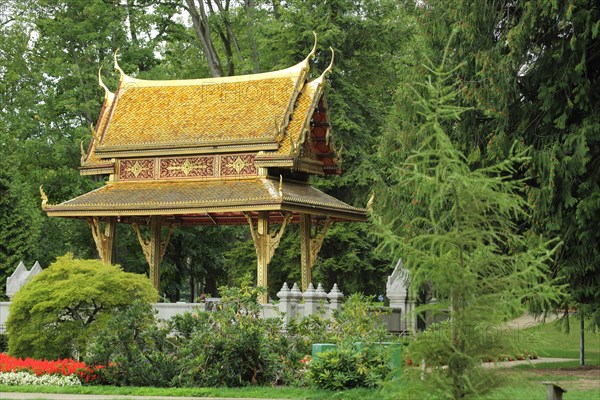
x: 3, y: 342
x: 531, y: 73
x: 231, y: 346
x: 18, y: 216
x: 134, y: 349
x: 65, y: 306
x: 355, y: 322
x: 346, y: 368
x: 460, y: 237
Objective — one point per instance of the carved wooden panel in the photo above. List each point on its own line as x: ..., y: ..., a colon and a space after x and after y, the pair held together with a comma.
x: 237, y: 165
x: 136, y: 169
x: 187, y: 167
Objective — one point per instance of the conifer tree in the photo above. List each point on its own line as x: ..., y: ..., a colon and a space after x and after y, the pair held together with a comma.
x: 455, y: 225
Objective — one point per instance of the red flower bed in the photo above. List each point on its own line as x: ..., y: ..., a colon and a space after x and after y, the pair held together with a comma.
x: 41, y: 367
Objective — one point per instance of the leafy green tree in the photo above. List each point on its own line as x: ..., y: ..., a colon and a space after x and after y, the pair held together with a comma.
x: 459, y: 233
x: 18, y: 222
x: 62, y: 308
x: 562, y: 109
x: 531, y: 71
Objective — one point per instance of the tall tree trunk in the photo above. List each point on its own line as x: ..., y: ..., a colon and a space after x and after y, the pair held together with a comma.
x: 132, y: 28
x: 226, y: 37
x: 192, y: 286
x: 276, y: 9
x: 250, y: 6
x: 202, y: 29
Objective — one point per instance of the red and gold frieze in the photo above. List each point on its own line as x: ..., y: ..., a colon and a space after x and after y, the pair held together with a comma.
x: 187, y: 167
x: 131, y: 170
x: 237, y: 165
x: 200, y: 167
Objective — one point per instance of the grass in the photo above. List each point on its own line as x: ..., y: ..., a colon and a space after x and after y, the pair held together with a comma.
x: 245, y: 392
x: 548, y: 340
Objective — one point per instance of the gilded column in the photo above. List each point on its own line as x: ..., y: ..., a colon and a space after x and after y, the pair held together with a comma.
x: 104, y: 238
x: 263, y: 253
x: 310, y: 245
x: 265, y: 245
x: 305, y: 250
x: 155, y: 250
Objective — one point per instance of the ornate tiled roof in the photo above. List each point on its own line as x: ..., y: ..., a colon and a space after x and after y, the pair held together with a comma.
x: 187, y: 198
x: 156, y: 117
x: 268, y: 113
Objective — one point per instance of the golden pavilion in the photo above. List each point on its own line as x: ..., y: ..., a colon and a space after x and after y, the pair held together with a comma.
x: 217, y: 151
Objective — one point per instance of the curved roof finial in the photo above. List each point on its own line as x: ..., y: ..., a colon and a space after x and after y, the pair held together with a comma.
x: 82, y: 152
x: 312, y: 53
x: 117, y: 64
x: 43, y: 196
x: 328, y: 70
x: 107, y: 93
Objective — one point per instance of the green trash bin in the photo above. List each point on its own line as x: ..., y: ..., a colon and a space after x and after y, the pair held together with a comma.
x: 394, y: 351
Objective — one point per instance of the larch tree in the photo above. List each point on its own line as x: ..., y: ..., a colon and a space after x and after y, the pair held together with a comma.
x: 455, y: 223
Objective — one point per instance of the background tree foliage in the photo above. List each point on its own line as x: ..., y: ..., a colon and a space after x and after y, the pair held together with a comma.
x: 51, y: 54
x: 462, y: 241
x: 526, y: 71
x: 530, y: 71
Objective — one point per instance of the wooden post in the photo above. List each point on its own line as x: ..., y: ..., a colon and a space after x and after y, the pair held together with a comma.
x: 155, y: 251
x: 104, y: 238
x: 265, y: 245
x: 581, y: 339
x: 305, y: 250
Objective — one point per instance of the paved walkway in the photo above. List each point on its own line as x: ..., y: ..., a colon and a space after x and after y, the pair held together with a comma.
x: 540, y: 360
x: 527, y: 320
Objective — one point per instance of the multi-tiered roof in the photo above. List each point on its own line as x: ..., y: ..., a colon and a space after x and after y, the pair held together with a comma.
x: 230, y: 150
x: 203, y: 150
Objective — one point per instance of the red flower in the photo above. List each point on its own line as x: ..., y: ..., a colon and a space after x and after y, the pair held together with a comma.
x: 64, y: 367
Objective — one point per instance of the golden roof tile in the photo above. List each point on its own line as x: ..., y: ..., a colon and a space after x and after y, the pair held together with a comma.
x: 158, y: 115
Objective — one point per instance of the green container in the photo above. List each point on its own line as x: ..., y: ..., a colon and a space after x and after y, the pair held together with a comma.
x: 394, y: 351
x: 320, y: 348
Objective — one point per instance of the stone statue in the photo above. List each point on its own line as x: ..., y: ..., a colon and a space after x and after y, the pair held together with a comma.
x: 399, y: 294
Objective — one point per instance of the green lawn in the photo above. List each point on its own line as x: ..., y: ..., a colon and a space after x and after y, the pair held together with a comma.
x: 548, y: 340
x: 245, y: 392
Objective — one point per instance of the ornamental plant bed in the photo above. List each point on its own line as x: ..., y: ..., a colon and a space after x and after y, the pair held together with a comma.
x: 65, y: 367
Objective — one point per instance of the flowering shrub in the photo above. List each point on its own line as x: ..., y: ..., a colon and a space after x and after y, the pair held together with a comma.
x: 67, y: 368
x: 29, y: 378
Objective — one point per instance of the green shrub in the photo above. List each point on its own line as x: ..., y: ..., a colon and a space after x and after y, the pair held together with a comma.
x: 346, y: 367
x: 355, y: 322
x: 231, y: 346
x: 63, y: 307
x: 135, y: 349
